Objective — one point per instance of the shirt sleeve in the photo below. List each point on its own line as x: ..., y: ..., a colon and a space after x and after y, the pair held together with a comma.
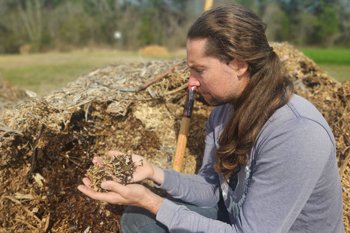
x: 178, y: 218
x: 288, y: 166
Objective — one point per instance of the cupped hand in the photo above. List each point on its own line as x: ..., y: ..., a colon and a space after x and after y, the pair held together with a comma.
x: 118, y: 194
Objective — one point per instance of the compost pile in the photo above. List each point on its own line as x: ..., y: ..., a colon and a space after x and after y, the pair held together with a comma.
x: 10, y: 95
x: 47, y: 143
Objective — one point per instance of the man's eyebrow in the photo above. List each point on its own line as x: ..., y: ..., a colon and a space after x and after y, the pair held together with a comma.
x: 196, y: 66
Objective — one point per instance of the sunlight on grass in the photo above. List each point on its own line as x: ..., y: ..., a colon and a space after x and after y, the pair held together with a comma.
x: 335, y: 56
x: 334, y: 61
x: 43, y: 73
x: 44, y: 78
x: 339, y: 72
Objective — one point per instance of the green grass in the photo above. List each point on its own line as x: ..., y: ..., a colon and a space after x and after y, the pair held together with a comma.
x: 335, y: 61
x: 339, y: 72
x: 329, y: 56
x: 44, y: 78
x: 43, y: 73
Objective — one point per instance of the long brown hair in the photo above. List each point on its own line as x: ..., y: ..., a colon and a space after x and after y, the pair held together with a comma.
x: 233, y: 32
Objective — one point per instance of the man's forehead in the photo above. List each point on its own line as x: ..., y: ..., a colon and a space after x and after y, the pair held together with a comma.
x: 198, y: 43
x: 196, y: 53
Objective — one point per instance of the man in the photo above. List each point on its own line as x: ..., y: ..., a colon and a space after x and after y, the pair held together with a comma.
x: 269, y: 162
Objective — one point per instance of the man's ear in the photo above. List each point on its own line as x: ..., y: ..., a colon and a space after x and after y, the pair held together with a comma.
x: 240, y: 67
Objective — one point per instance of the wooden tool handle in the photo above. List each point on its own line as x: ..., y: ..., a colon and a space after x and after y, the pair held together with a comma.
x: 181, y: 143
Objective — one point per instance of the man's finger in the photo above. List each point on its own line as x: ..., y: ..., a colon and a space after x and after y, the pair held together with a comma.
x: 86, y: 190
x: 87, y: 182
x: 113, y: 153
x: 110, y: 197
x: 97, y: 161
x: 114, y: 186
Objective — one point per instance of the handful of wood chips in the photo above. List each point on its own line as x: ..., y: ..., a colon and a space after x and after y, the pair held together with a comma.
x: 119, y: 168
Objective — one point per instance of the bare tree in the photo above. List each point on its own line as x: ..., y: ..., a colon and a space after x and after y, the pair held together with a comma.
x: 30, y: 13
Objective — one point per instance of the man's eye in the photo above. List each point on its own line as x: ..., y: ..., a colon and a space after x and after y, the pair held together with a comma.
x: 199, y: 71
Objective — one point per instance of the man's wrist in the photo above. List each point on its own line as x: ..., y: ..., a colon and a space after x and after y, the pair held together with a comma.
x: 153, y: 202
x: 158, y: 175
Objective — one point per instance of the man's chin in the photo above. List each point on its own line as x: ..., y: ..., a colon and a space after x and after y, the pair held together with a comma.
x: 213, y: 102
x: 210, y: 100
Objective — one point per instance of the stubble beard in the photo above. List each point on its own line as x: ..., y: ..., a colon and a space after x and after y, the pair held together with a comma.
x: 212, y: 101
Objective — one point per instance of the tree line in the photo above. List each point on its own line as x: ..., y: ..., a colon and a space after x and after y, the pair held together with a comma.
x: 40, y: 25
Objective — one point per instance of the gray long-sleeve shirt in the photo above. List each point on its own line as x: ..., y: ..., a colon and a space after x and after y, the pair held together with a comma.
x: 290, y: 185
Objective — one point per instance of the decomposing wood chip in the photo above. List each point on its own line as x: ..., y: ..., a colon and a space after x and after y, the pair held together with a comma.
x: 119, y: 168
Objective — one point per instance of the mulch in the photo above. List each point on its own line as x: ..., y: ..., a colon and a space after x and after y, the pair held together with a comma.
x: 47, y: 143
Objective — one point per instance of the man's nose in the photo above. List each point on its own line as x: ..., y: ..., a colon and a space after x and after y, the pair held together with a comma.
x: 193, y: 82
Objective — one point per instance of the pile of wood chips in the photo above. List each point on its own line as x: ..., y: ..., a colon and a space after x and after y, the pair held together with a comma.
x: 10, y: 94
x: 47, y: 143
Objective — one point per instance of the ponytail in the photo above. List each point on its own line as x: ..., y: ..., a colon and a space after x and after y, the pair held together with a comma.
x: 266, y: 91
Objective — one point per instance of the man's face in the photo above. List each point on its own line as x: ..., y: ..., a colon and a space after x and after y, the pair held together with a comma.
x: 218, y: 82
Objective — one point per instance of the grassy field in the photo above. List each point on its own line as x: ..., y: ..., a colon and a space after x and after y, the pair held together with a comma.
x: 335, y: 61
x: 329, y: 56
x: 43, y: 73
